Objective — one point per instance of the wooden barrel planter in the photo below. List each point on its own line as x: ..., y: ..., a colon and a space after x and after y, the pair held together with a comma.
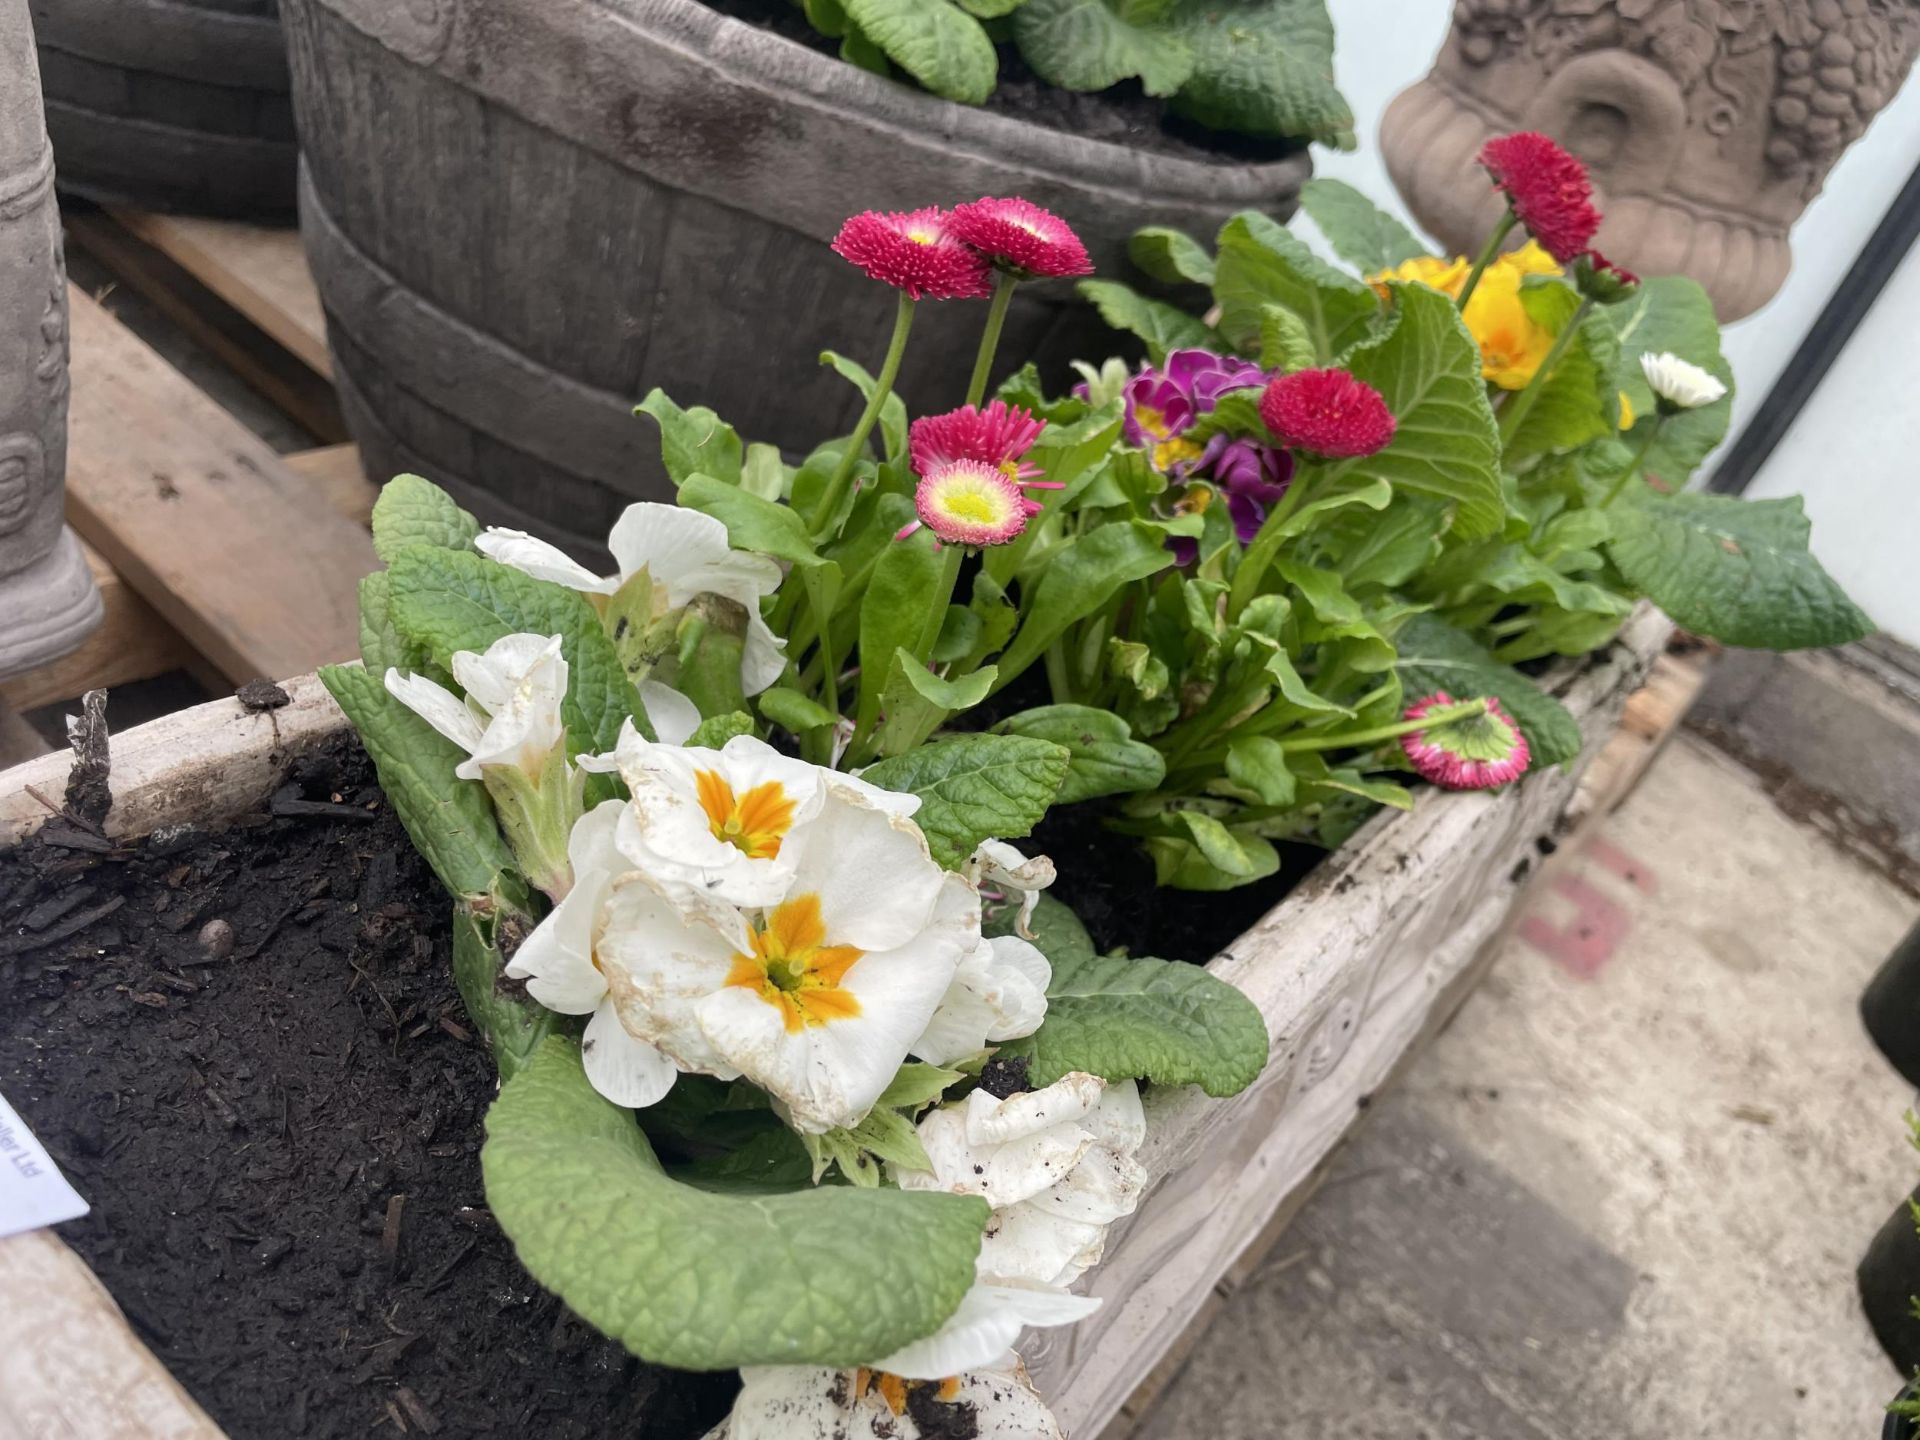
x: 524, y: 214
x: 170, y: 104
x: 1351, y: 970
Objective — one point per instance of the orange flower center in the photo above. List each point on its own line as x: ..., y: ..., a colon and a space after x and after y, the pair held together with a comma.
x: 754, y: 823
x: 794, y: 970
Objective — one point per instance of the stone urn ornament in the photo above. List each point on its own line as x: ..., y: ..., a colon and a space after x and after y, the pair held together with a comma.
x: 48, y: 603
x: 1708, y: 124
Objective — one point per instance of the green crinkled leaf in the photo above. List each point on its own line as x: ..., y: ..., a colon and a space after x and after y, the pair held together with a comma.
x: 1285, y: 343
x: 693, y: 442
x: 716, y: 730
x: 793, y: 711
x: 412, y: 510
x: 1170, y: 256
x: 380, y: 644
x: 1572, y: 404
x: 976, y: 787
x: 937, y: 43
x: 1737, y: 570
x: 1161, y: 325
x: 1126, y: 1019
x: 1264, y: 67
x: 1107, y: 760
x: 764, y: 526
x: 1673, y: 314
x: 1091, y: 44
x: 704, y: 1281
x: 515, y: 1025
x: 449, y: 820
x: 448, y: 600
x: 1446, y: 444
x: 1360, y: 232
x: 1435, y: 656
x: 1261, y: 263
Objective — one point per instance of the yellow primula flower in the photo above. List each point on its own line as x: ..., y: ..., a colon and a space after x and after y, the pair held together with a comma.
x: 1529, y: 259
x: 1512, y: 344
x: 1446, y: 276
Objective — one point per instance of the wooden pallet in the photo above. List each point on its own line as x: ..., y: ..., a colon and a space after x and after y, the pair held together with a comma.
x: 213, y: 554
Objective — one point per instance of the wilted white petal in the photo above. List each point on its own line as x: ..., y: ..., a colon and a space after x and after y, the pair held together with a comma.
x: 990, y: 1318
x: 999, y: 993
x: 623, y: 1067
x: 1002, y: 1174
x: 540, y: 560
x: 996, y: 865
x: 1026, y: 1242
x: 797, y: 1402
x: 438, y: 706
x: 674, y: 717
x: 1680, y: 382
x: 1068, y: 1100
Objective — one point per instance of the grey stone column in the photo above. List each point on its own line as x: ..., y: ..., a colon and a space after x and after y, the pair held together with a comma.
x: 48, y: 603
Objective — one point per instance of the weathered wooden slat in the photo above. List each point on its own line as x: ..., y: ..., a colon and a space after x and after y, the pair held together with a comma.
x: 132, y: 643
x: 335, y: 473
x: 260, y: 270
x: 240, y: 555
x: 70, y: 1367
x: 257, y: 357
x: 1348, y: 970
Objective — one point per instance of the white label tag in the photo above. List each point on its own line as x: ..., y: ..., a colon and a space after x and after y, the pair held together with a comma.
x: 33, y: 1192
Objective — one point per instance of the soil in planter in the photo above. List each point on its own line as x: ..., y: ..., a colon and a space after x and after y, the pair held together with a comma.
x: 1121, y: 115
x: 280, y: 1139
x: 245, y: 1049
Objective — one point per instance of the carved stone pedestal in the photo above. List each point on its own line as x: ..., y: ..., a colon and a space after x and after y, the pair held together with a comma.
x: 48, y: 603
x: 1709, y: 124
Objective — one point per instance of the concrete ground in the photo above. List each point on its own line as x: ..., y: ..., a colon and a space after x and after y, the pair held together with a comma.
x: 1622, y: 1197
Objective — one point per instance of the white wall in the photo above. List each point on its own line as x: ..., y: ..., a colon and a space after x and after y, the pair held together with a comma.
x: 1857, y: 467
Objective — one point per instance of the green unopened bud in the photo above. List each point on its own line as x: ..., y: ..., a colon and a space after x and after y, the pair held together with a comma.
x: 537, y: 815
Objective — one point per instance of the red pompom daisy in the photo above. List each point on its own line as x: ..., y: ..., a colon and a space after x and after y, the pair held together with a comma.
x: 1548, y: 190
x: 917, y: 252
x: 1327, y: 412
x: 969, y: 502
x: 1019, y: 236
x: 1476, y: 753
x: 998, y: 435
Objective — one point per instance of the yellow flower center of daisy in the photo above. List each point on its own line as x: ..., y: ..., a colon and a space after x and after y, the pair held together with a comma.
x: 794, y: 970
x: 923, y: 237
x: 754, y: 823
x: 972, y: 500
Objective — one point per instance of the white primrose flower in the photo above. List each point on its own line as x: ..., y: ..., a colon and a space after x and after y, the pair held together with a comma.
x: 999, y: 993
x: 685, y: 554
x: 1680, y: 383
x: 509, y: 724
x: 801, y: 1402
x: 511, y: 715
x: 560, y: 962
x: 1057, y: 1166
x: 997, y: 866
x: 815, y: 992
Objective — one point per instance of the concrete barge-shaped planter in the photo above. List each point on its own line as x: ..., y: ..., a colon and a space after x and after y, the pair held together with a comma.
x: 1349, y: 970
x: 524, y: 214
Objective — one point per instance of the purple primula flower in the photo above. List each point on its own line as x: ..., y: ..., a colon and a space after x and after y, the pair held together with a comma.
x: 1163, y: 404
x: 1254, y: 477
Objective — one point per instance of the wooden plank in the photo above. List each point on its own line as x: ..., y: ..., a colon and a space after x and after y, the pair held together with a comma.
x: 1349, y: 971
x: 259, y: 270
x: 195, y: 766
x: 19, y: 741
x: 336, y: 473
x: 1651, y: 717
x: 240, y: 555
x: 257, y: 357
x: 132, y: 643
x: 70, y: 1366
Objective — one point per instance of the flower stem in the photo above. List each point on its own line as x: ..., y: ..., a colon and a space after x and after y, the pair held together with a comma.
x: 836, y: 490
x: 1437, y: 718
x: 1515, y: 410
x: 1485, y: 257
x: 1633, y: 465
x: 1259, y: 554
x: 1003, y: 287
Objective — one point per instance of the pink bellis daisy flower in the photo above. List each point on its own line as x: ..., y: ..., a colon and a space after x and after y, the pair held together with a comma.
x: 969, y: 503
x: 1327, y: 412
x: 1021, y: 238
x: 917, y: 253
x: 1476, y: 753
x: 1548, y: 190
x: 997, y: 433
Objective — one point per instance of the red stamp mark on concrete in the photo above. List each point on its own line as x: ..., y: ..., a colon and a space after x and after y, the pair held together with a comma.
x: 1584, y: 943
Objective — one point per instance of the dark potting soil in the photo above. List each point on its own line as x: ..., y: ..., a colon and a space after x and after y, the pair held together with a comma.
x: 245, y: 1049
x: 1121, y: 115
x: 279, y: 1131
